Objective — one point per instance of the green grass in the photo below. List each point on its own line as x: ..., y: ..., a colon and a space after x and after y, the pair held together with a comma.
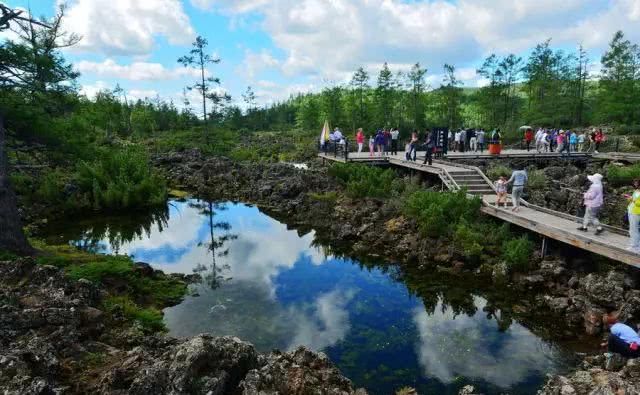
x: 328, y: 197
x: 150, y: 319
x: 102, y: 270
x: 620, y: 176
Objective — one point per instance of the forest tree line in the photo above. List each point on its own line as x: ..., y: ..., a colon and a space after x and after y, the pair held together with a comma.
x: 550, y: 87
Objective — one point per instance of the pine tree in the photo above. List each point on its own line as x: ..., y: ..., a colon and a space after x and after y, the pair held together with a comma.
x: 199, y: 58
x: 360, y: 84
x: 618, y: 82
x: 384, y: 95
x: 417, y: 86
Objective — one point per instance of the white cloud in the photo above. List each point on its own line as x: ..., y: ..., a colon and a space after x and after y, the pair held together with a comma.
x: 90, y: 90
x: 141, y: 94
x: 255, y: 62
x: 127, y: 27
x: 331, y: 39
x: 137, y: 71
x: 328, y: 324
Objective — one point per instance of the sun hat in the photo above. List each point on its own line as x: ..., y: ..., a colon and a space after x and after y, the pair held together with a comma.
x: 595, y: 177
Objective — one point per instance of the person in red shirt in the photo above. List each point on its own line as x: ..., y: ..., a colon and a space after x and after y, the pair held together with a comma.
x: 599, y: 138
x: 360, y: 139
x: 528, y: 138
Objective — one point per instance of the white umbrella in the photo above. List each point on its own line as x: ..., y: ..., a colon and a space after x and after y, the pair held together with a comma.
x: 525, y: 127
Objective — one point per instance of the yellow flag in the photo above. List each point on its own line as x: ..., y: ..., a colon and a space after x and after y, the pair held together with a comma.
x: 324, y: 136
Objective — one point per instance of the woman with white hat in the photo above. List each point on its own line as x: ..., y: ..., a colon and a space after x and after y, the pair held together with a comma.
x: 633, y: 211
x: 593, y: 200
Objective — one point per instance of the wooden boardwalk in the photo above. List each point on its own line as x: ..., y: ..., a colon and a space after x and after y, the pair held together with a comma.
x: 550, y: 224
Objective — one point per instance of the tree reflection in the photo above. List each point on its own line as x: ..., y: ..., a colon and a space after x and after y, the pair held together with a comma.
x: 115, y: 231
x: 213, y: 275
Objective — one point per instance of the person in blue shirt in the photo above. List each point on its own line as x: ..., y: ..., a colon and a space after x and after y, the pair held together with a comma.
x: 623, y: 339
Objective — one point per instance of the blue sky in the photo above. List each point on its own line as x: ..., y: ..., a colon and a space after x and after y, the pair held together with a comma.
x: 288, y: 46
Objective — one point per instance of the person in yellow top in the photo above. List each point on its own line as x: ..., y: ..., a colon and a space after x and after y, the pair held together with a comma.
x: 634, y: 217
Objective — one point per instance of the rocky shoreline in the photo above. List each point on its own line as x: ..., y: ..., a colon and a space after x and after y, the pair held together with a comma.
x: 576, y: 289
x: 55, y: 339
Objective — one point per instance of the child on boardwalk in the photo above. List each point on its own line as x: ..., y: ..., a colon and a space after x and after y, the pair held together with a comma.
x: 372, y: 144
x: 501, y: 190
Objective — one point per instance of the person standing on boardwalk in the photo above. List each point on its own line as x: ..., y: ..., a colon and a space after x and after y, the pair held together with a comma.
x: 394, y: 141
x: 519, y: 178
x: 528, y: 138
x: 463, y: 140
x: 372, y: 145
x: 599, y: 139
x: 413, y: 145
x: 360, y: 139
x: 429, y: 146
x: 380, y: 142
x: 573, y: 142
x: 387, y: 141
x: 473, y: 140
x: 633, y: 211
x: 581, y: 139
x: 593, y: 200
x: 592, y: 140
x: 480, y: 137
x: 501, y: 191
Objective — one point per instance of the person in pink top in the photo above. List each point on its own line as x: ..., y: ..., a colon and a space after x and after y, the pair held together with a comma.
x: 360, y: 139
x: 593, y: 200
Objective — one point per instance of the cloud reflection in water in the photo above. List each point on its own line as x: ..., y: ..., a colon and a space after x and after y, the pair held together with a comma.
x: 452, y: 346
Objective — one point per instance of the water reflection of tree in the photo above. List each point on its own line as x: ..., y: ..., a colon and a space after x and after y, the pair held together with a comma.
x: 117, y: 230
x: 213, y: 275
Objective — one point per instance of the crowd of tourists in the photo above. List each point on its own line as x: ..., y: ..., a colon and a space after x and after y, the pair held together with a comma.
x: 564, y: 141
x: 593, y: 200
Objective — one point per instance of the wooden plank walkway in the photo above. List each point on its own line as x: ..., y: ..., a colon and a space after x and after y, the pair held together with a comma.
x: 552, y: 224
x: 630, y: 157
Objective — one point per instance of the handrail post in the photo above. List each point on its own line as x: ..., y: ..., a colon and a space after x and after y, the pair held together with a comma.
x: 346, y: 150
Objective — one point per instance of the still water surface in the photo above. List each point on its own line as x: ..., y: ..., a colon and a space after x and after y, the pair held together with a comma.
x: 275, y: 288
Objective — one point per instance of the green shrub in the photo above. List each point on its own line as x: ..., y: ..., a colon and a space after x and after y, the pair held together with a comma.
x: 121, y: 179
x: 468, y: 240
x: 364, y: 181
x: 439, y: 213
x: 517, y: 252
x: 150, y: 319
x: 537, y: 179
x: 22, y: 183
x: 51, y: 187
x: 245, y: 154
x: 7, y: 256
x: 495, y: 171
x: 619, y: 176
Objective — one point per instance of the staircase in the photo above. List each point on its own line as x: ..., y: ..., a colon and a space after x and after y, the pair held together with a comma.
x: 474, y: 183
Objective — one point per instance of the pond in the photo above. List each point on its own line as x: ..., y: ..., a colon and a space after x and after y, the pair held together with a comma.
x: 276, y: 288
